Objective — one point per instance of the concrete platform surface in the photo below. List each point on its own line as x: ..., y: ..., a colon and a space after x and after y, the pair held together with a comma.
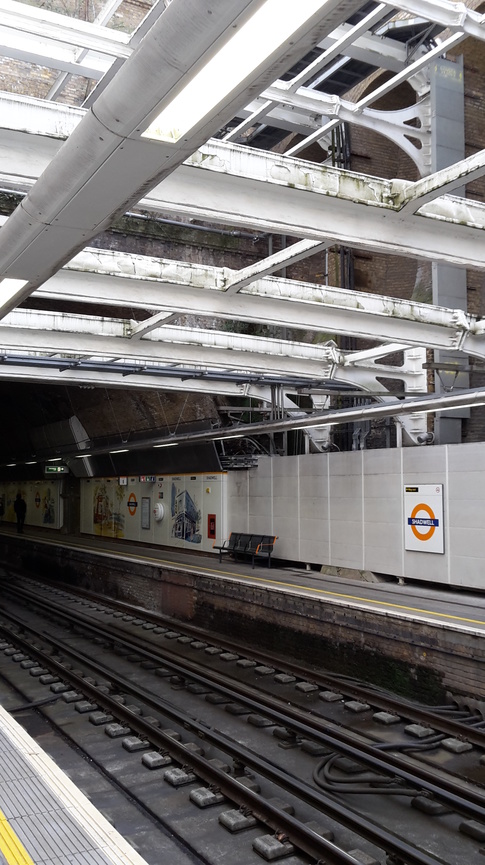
x: 44, y: 818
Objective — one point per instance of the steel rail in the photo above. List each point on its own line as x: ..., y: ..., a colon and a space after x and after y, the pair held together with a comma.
x: 387, y: 703
x: 299, y: 834
x: 457, y: 795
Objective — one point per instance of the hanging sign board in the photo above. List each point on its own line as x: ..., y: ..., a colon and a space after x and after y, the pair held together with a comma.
x: 423, y: 518
x: 56, y: 470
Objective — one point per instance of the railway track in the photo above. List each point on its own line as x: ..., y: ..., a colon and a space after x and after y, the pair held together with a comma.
x: 325, y: 792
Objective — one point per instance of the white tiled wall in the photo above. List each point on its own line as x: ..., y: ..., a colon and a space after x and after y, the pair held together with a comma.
x: 347, y: 509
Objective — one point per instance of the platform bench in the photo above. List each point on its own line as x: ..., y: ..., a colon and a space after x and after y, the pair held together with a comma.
x: 241, y: 544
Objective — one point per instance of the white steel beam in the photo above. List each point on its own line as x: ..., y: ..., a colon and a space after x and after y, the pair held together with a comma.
x: 22, y: 18
x: 338, y: 45
x: 106, y: 165
x: 168, y: 287
x: 455, y: 16
x: 359, y: 211
x: 285, y: 257
x: 101, y: 19
x: 411, y: 197
x: 203, y: 349
x: 59, y: 58
x: 399, y: 126
x: 321, y: 203
x: 140, y: 380
x: 139, y: 329
x: 379, y: 51
x: 28, y: 154
x: 412, y: 68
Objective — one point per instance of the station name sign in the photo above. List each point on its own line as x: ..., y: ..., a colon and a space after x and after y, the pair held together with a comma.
x: 423, y: 518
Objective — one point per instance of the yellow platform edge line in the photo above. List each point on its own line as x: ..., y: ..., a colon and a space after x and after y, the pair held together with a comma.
x: 11, y: 847
x: 439, y: 616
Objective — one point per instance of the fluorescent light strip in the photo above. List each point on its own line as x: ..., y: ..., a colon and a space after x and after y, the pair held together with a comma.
x: 121, y: 451
x: 250, y: 46
x: 10, y: 287
x: 167, y: 445
x: 54, y: 460
x: 81, y: 456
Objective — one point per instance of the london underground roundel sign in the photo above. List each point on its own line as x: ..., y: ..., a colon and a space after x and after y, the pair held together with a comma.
x: 132, y: 504
x: 423, y: 518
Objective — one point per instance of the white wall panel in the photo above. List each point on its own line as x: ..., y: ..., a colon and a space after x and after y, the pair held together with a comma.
x: 343, y: 510
x: 426, y: 460
x: 347, y: 510
x: 237, y: 504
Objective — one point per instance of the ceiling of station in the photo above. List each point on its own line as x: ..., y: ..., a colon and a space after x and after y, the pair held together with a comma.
x: 219, y: 113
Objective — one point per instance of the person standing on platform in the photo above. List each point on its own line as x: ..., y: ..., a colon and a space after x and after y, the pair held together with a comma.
x: 20, y: 509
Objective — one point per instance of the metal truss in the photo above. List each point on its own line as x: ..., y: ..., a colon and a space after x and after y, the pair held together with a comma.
x: 48, y: 39
x: 81, y: 167
x: 307, y: 111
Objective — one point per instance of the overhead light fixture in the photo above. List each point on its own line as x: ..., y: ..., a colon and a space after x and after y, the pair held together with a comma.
x: 31, y: 463
x: 10, y: 287
x: 54, y: 460
x: 81, y: 456
x: 120, y: 451
x: 11, y: 465
x: 227, y: 71
x: 166, y: 445
x: 225, y: 438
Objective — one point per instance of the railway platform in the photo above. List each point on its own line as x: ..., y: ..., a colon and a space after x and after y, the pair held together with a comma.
x: 428, y: 633
x: 410, y: 599
x: 44, y: 817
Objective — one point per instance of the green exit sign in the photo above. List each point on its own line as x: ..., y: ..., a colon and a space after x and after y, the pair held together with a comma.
x: 56, y: 470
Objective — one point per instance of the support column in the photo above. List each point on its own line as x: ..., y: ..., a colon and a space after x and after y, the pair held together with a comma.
x: 448, y: 283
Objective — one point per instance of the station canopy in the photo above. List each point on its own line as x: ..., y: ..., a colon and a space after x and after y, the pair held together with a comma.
x: 231, y: 115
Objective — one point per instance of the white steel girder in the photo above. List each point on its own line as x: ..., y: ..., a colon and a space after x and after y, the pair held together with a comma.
x: 106, y: 164
x: 171, y: 287
x: 220, y: 182
x: 87, y: 336
x: 104, y: 15
x: 46, y: 25
x: 63, y: 338
x: 38, y: 331
x: 379, y: 51
x: 455, y: 16
x: 41, y: 24
x: 301, y: 199
x: 409, y: 128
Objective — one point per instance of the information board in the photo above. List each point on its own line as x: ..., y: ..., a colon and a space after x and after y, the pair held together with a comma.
x: 423, y: 518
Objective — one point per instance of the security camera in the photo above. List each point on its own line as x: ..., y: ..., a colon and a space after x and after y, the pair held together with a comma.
x: 425, y: 438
